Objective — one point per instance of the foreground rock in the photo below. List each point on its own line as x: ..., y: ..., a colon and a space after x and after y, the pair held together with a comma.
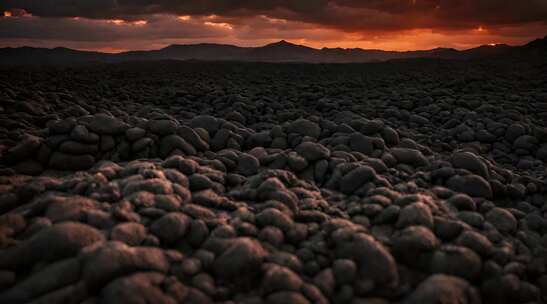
x: 221, y: 183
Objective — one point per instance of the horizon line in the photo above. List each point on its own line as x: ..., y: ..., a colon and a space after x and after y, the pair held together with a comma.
x: 99, y: 50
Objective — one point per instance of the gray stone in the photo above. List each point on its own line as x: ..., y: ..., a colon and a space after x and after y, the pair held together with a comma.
x: 139, y: 287
x: 279, y: 278
x: 462, y: 202
x: 304, y: 127
x: 374, y: 260
x: 476, y: 242
x: 207, y: 122
x: 276, y: 218
x: 141, y: 144
x: 441, y: 288
x: 361, y: 143
x: 132, y: 234
x: 473, y: 185
x: 162, y: 127
x: 390, y: 136
x: 171, y: 227
x: 413, y: 241
x: 247, y: 165
x: 312, y: 151
x: 172, y: 142
x: 471, y: 162
x: 344, y: 270
x: 514, y: 131
x: 525, y: 142
x: 101, y: 264
x: 60, y: 209
x: 296, y: 162
x: 502, y: 219
x: 47, y: 280
x: 56, y: 242
x: 242, y: 258
x: 104, y: 124
x: 415, y: 214
x: 135, y: 133
x: 410, y: 157
x: 81, y: 134
x: 62, y: 126
x: 325, y: 281
x: 152, y: 185
x: 192, y: 137
x: 356, y: 178
x: 457, y: 261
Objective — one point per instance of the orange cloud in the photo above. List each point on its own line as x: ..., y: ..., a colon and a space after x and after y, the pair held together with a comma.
x: 124, y: 22
x: 374, y: 24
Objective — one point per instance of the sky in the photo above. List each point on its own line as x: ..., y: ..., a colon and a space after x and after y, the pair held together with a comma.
x: 119, y: 25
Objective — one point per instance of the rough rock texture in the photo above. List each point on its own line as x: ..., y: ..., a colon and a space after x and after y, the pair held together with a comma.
x: 402, y: 182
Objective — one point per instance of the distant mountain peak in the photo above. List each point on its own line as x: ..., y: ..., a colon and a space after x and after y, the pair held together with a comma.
x: 172, y: 46
x: 538, y: 43
x: 284, y: 44
x: 178, y: 46
x: 280, y: 51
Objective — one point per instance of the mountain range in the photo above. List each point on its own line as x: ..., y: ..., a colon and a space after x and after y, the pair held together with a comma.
x: 281, y: 51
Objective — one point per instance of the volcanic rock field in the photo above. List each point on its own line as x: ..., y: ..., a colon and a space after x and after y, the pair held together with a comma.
x: 419, y: 181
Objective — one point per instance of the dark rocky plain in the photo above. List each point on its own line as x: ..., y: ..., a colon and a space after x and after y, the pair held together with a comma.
x: 419, y: 181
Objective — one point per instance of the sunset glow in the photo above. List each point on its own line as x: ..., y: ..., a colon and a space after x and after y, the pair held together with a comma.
x: 220, y: 25
x: 123, y: 22
x: 116, y: 21
x: 409, y: 25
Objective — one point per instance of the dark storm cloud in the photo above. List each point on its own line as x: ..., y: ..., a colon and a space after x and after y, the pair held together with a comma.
x: 82, y: 29
x: 392, y: 24
x: 349, y: 15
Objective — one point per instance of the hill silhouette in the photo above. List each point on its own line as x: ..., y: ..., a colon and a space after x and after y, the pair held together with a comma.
x: 281, y: 51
